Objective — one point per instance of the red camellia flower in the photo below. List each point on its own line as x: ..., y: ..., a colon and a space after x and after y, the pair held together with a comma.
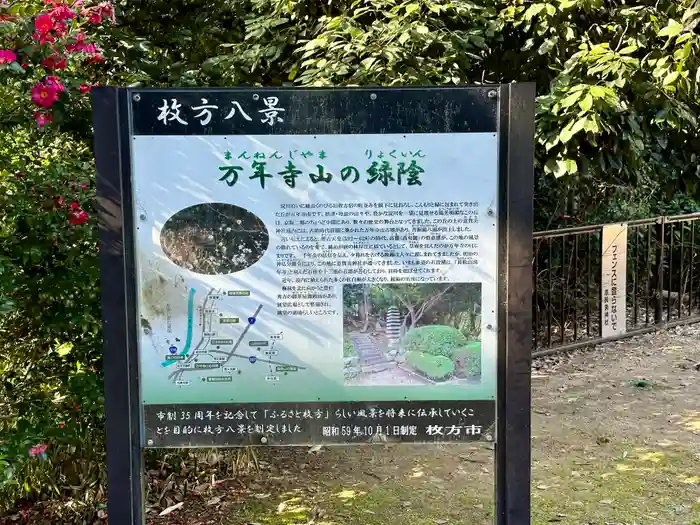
x: 7, y: 56
x: 53, y: 62
x: 76, y: 218
x: 85, y: 88
x: 55, y: 82
x: 42, y: 119
x: 44, y: 95
x: 44, y: 23
x: 44, y: 38
x: 75, y: 205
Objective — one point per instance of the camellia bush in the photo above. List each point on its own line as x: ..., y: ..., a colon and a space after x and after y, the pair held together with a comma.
x: 51, y: 406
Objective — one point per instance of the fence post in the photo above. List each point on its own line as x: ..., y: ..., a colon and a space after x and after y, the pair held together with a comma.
x: 660, y: 248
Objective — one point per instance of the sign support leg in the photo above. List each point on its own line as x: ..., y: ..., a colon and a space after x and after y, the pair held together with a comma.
x: 513, y: 455
x: 117, y: 270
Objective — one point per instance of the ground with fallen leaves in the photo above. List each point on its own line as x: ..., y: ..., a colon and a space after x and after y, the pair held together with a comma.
x: 616, y: 441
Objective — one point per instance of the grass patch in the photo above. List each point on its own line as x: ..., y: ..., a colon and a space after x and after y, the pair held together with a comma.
x: 639, y: 485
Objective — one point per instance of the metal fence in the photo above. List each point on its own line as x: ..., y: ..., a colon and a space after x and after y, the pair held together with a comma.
x: 663, y: 281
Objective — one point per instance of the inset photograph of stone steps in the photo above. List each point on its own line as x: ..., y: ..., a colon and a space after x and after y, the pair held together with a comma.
x: 412, y: 334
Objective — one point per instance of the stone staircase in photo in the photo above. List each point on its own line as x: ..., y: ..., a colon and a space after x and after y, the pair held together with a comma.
x: 371, y: 359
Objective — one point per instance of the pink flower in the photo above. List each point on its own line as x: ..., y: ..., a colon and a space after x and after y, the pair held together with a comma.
x: 42, y: 119
x: 83, y: 186
x: 37, y: 450
x: 44, y: 23
x: 44, y: 95
x: 53, y: 62
x: 85, y: 88
x: 98, y: 13
x: 75, y: 206
x: 62, y: 12
x: 7, y: 56
x: 61, y: 29
x: 54, y: 81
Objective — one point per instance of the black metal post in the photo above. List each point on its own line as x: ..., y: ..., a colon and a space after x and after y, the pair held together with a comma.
x: 660, y: 245
x: 516, y: 144
x: 117, y: 270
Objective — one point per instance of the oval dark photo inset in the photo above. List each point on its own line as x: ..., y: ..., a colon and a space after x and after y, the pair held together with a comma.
x: 214, y: 238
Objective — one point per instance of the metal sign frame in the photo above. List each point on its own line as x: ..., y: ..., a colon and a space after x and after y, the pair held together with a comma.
x: 113, y: 122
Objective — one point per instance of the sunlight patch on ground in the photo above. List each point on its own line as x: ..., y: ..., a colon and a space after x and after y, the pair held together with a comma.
x: 689, y: 421
x: 349, y: 494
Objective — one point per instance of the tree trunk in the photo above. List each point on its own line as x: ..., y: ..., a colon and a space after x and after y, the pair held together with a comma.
x: 412, y: 316
x: 367, y: 306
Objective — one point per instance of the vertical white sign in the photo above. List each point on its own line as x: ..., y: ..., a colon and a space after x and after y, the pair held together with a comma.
x: 614, y: 280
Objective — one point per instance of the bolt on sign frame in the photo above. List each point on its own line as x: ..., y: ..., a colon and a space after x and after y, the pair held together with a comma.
x: 195, y: 356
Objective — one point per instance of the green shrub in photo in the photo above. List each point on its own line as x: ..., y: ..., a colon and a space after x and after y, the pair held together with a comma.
x: 435, y: 367
x: 348, y: 350
x: 435, y: 340
x: 467, y: 360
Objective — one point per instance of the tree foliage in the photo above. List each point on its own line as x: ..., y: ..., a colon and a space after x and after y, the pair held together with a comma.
x: 617, y: 84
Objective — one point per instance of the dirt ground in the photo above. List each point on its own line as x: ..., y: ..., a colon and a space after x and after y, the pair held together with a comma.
x: 616, y: 441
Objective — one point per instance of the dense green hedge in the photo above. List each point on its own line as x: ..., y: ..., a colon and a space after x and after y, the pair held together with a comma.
x: 468, y: 360
x: 435, y: 339
x: 435, y: 367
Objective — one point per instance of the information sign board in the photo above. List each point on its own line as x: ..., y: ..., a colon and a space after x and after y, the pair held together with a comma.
x: 317, y: 266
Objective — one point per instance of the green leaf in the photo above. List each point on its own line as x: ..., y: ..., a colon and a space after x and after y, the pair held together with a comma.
x: 16, y: 68
x: 571, y: 99
x: 671, y: 78
x: 547, y: 46
x: 571, y: 166
x: 533, y: 11
x: 571, y: 129
x: 412, y: 8
x: 672, y: 29
x: 597, y: 91
x: 587, y: 103
x: 64, y: 349
x: 422, y: 30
